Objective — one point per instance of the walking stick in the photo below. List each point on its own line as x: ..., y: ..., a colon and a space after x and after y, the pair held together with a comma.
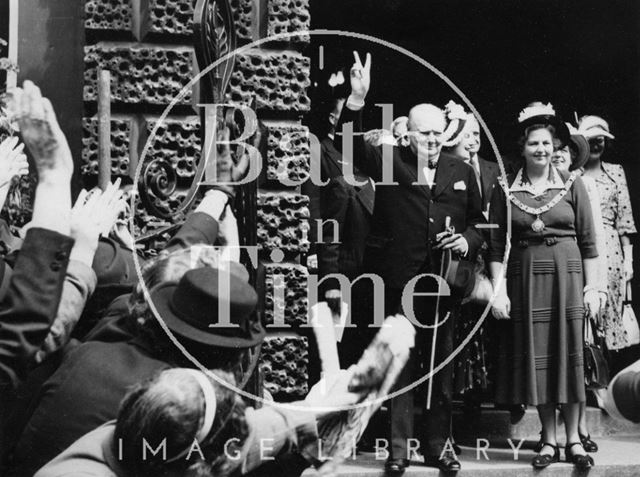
x: 436, y: 323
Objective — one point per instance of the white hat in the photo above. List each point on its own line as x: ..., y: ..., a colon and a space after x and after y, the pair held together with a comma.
x: 594, y: 126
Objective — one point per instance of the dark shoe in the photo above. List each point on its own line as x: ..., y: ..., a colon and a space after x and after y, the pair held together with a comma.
x: 447, y: 463
x: 541, y: 461
x: 517, y: 411
x: 588, y: 444
x: 395, y: 467
x: 581, y: 462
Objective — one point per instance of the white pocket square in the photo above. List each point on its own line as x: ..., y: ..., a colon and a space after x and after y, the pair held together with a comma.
x: 460, y: 185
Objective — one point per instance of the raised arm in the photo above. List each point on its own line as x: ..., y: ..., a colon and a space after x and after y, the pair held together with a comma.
x: 34, y: 292
x: 366, y: 157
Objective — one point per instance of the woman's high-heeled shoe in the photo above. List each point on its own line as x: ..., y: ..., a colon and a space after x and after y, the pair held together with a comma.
x: 541, y: 461
x: 588, y: 444
x: 581, y: 462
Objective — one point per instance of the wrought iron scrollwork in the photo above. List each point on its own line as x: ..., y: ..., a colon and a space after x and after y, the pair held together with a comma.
x: 214, y: 37
x: 159, y: 182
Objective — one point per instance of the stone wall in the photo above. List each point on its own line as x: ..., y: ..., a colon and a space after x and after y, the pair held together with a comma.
x: 148, y: 49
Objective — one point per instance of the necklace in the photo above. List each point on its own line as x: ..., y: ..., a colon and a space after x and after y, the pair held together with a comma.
x: 538, y: 225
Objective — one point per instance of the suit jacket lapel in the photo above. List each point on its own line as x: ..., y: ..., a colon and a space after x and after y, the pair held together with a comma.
x: 444, y: 173
x: 410, y: 162
x: 333, y: 158
x: 365, y: 195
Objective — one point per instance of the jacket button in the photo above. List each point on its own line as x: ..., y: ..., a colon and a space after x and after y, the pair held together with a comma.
x: 56, y: 266
x: 430, y: 220
x: 60, y: 255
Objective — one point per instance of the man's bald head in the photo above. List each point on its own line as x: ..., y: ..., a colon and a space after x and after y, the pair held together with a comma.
x: 425, y: 112
x: 427, y: 122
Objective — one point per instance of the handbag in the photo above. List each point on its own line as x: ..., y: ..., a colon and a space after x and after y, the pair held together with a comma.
x: 629, y: 320
x: 596, y: 369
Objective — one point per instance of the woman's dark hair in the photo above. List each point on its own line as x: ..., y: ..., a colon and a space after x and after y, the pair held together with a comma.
x: 534, y: 127
x: 170, y: 408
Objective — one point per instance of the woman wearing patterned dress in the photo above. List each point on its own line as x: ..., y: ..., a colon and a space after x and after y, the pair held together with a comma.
x: 552, y: 242
x: 572, y: 157
x: 617, y: 218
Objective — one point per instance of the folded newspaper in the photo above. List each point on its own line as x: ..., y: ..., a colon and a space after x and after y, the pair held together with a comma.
x: 375, y: 374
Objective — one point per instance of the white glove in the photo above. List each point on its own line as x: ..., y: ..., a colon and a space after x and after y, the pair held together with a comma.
x: 591, y: 302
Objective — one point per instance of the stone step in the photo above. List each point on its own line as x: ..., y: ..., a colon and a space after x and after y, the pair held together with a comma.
x: 618, y: 457
x: 495, y: 425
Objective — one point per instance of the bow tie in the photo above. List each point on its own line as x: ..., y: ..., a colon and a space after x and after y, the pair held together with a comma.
x: 432, y: 163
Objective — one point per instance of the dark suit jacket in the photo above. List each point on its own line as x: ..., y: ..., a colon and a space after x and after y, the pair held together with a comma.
x: 331, y: 166
x: 31, y: 302
x: 407, y: 216
x: 351, y: 208
x: 85, y: 391
x: 489, y: 172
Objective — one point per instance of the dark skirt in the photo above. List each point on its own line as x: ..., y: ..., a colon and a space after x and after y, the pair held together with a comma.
x: 541, y: 346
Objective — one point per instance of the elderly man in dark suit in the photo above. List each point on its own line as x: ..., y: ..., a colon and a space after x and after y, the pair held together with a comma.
x: 428, y: 191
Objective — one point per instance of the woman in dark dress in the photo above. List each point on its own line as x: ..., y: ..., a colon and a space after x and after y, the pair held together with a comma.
x: 552, y: 243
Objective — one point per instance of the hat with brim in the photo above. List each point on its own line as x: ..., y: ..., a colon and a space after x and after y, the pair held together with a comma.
x: 190, y: 308
x: 562, y: 131
x: 594, y: 126
x: 580, y: 146
x: 114, y: 265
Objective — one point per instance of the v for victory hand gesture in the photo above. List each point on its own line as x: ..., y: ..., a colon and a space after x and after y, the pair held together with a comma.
x: 360, y: 77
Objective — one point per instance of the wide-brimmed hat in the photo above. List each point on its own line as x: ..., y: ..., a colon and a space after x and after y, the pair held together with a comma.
x: 594, y: 126
x: 539, y: 113
x: 579, y: 144
x: 114, y: 265
x: 189, y: 308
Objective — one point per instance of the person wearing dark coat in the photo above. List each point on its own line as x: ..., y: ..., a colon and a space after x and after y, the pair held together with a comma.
x: 85, y: 390
x: 31, y: 301
x: 428, y: 192
x: 345, y: 210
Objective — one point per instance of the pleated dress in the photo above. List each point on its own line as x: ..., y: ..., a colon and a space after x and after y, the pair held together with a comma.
x: 540, y: 355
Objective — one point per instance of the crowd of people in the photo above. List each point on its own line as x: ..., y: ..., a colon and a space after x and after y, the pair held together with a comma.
x: 550, y: 228
x: 92, y: 382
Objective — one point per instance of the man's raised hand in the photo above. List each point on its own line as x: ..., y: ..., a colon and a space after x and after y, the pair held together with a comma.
x: 40, y: 131
x: 360, y: 77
